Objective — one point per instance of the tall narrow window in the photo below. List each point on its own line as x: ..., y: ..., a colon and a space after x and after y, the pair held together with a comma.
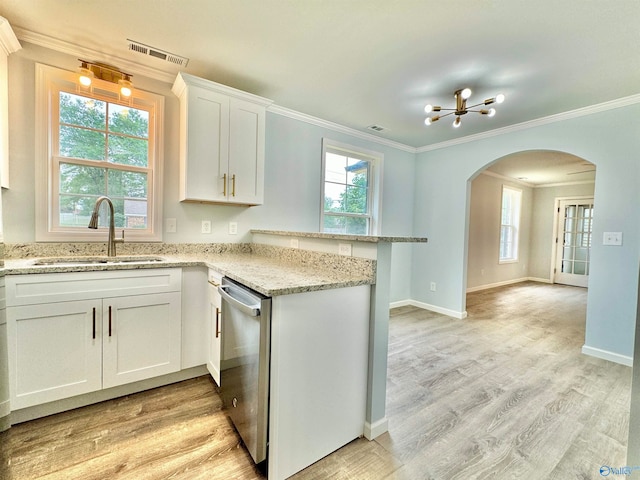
x: 350, y: 190
x: 510, y: 224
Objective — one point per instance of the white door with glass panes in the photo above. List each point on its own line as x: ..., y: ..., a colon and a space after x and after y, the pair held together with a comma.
x: 573, y: 252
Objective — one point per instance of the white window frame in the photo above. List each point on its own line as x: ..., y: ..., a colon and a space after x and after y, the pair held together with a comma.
x: 49, y: 81
x: 376, y: 163
x: 513, y: 223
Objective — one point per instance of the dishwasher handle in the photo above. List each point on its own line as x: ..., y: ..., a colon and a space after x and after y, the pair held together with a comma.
x: 239, y: 299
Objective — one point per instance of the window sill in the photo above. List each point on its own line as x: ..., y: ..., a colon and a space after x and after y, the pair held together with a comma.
x: 508, y: 260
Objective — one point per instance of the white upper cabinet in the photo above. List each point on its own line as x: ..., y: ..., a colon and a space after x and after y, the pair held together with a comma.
x: 8, y: 44
x: 222, y: 132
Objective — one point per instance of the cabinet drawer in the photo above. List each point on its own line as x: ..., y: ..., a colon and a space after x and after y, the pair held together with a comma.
x: 62, y: 287
x: 215, y: 277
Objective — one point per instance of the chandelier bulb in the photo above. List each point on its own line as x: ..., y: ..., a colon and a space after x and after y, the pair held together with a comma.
x: 86, y: 74
x: 125, y: 86
x: 461, y: 108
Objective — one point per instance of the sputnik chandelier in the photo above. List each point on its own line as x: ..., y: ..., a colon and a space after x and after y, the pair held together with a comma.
x: 461, y: 97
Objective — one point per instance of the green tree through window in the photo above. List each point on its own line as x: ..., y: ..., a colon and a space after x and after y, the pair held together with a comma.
x: 346, y: 201
x: 105, y: 150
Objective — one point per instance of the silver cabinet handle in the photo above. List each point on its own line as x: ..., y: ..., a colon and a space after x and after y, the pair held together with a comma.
x: 252, y: 310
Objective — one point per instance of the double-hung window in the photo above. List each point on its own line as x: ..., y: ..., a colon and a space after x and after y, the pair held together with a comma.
x: 351, y: 186
x: 92, y: 142
x: 510, y: 224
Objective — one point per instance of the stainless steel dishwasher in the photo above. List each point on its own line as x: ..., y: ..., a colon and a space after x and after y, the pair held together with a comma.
x: 244, y: 363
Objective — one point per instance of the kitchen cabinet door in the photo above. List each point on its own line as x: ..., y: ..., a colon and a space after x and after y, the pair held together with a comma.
x: 215, y: 323
x: 222, y: 138
x: 55, y: 351
x: 141, y: 337
x: 246, y: 153
x: 204, y: 156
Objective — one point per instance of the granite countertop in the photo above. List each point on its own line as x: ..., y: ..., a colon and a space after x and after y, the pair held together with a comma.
x: 269, y: 275
x: 344, y: 237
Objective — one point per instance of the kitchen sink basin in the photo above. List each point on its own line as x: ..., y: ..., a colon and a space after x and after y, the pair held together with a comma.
x: 62, y: 261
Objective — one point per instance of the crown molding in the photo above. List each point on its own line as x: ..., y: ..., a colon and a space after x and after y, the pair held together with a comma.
x: 303, y: 117
x: 89, y: 53
x: 8, y: 40
x: 579, y: 112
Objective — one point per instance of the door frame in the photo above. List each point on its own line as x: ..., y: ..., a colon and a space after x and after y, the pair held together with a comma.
x: 554, y: 237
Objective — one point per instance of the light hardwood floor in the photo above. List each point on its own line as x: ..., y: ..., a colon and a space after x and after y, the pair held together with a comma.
x: 503, y: 394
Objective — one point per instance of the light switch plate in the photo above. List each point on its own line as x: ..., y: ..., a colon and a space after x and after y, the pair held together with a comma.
x: 233, y: 228
x: 612, y: 238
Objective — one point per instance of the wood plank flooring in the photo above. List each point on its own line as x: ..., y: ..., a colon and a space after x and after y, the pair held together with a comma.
x: 503, y: 394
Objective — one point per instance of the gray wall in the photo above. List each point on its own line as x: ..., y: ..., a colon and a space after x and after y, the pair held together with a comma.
x: 606, y: 139
x: 292, y: 170
x: 536, y: 232
x: 427, y: 194
x: 541, y: 245
x: 483, y: 267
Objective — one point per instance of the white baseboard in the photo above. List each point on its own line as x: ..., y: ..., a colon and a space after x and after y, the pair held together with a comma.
x: 431, y: 308
x: 607, y: 355
x: 376, y: 429
x: 5, y: 408
x: 401, y: 303
x: 540, y: 280
x: 507, y: 282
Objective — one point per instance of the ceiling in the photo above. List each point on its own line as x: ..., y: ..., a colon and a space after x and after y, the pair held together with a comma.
x: 542, y: 167
x: 370, y: 62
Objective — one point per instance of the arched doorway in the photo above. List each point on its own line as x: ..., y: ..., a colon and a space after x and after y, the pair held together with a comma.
x: 554, y: 198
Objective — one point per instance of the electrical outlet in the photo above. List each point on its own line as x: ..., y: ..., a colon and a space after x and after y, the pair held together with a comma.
x: 206, y: 226
x: 433, y: 286
x: 170, y: 225
x: 295, y: 243
x: 344, y: 249
x: 233, y: 228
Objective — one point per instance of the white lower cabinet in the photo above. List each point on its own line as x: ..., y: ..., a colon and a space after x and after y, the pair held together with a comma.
x: 62, y: 349
x: 53, y: 353
x: 319, y: 366
x: 140, y: 337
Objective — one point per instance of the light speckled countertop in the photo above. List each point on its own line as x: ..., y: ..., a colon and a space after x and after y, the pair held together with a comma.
x: 345, y: 237
x: 268, y: 270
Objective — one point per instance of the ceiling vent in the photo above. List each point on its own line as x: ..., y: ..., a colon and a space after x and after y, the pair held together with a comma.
x: 377, y: 128
x: 157, y: 53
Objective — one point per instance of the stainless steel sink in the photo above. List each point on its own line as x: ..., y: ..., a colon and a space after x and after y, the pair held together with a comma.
x: 98, y: 260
